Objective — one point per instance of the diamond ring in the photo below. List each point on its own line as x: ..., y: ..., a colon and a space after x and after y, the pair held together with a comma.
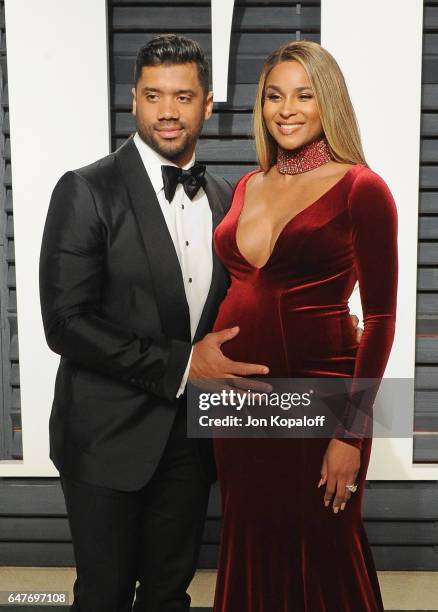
x: 351, y: 487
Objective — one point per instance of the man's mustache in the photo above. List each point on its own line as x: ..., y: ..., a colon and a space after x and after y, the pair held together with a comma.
x: 169, y: 126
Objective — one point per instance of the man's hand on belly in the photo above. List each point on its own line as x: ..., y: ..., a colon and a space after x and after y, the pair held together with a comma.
x: 209, y: 362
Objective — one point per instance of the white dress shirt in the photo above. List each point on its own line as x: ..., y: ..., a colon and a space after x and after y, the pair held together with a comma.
x: 190, y: 225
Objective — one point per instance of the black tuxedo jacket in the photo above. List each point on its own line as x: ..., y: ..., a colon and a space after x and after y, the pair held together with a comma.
x: 114, y: 307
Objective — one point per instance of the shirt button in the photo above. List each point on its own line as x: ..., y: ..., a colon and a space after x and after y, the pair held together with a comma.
x: 187, y: 243
x: 190, y: 280
x: 182, y: 206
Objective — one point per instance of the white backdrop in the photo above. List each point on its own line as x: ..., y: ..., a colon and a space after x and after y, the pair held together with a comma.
x: 59, y: 120
x: 61, y: 96
x: 378, y: 46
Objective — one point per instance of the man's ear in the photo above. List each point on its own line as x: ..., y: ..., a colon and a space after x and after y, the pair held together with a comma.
x: 208, y: 105
x: 134, y: 101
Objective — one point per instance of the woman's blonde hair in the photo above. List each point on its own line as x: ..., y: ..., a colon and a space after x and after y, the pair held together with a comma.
x: 336, y: 112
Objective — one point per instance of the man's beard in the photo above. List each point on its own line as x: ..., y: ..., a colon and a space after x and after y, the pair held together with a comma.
x: 169, y: 150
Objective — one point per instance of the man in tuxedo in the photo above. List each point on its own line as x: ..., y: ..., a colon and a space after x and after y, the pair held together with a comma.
x: 130, y: 287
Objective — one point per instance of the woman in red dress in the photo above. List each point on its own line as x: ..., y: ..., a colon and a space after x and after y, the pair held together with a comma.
x: 300, y: 233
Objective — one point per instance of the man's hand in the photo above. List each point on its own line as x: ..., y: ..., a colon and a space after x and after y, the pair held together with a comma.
x: 359, y: 330
x: 208, y: 361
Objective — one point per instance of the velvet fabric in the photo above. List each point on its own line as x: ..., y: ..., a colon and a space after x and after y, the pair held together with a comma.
x: 282, y: 550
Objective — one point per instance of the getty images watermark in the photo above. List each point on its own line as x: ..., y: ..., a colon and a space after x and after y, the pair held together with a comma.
x: 318, y: 407
x: 240, y: 400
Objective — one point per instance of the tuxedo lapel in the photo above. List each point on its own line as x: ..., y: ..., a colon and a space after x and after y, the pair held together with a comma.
x: 215, y: 199
x: 164, y: 264
x: 219, y: 279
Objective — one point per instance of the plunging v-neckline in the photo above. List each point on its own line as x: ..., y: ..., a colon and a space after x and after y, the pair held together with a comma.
x: 300, y: 212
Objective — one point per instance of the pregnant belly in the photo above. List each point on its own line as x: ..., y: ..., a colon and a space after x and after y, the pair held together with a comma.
x: 317, y: 340
x: 260, y: 339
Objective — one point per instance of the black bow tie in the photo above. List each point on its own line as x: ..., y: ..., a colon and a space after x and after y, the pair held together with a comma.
x: 191, y: 180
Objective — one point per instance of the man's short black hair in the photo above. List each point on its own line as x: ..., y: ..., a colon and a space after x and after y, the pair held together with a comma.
x: 173, y: 49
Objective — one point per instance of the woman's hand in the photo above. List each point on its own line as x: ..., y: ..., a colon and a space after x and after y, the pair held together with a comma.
x: 340, y: 466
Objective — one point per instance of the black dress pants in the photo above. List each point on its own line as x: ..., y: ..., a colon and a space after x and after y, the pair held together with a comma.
x: 152, y: 535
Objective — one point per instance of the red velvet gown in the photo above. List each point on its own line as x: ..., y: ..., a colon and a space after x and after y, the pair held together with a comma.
x: 281, y: 549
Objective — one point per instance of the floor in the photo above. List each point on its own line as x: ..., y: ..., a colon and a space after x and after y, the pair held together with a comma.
x: 401, y: 590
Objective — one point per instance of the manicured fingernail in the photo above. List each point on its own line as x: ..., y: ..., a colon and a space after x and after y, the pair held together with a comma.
x: 326, y: 503
x: 265, y: 370
x: 320, y: 482
x: 342, y: 506
x: 335, y: 510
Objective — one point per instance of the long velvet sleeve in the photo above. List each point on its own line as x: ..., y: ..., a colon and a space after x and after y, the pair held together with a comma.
x: 373, y: 216
x: 71, y: 276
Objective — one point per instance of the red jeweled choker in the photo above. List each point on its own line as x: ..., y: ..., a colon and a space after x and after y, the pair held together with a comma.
x: 304, y: 158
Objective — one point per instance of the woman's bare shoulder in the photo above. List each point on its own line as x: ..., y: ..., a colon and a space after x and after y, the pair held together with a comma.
x: 255, y: 180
